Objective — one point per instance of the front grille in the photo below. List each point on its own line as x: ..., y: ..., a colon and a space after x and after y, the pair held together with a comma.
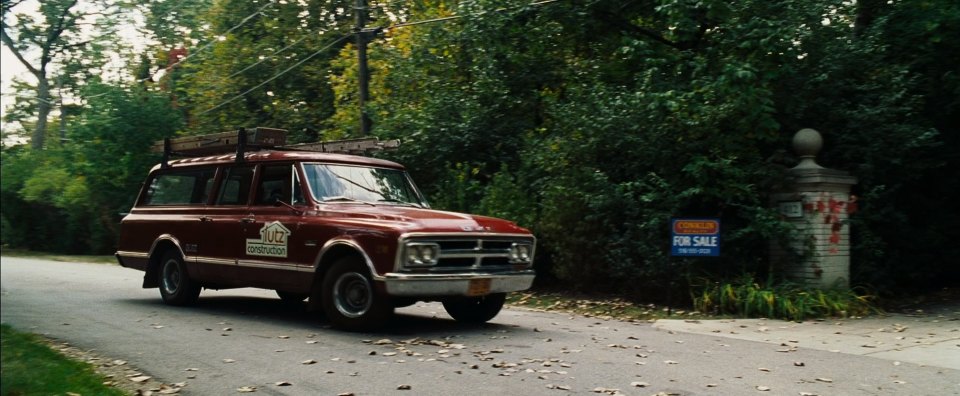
x: 486, y: 253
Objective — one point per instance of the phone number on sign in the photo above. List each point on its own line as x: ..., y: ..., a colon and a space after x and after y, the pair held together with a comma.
x: 693, y: 251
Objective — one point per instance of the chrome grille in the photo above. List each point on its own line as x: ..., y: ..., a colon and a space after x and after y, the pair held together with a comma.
x: 472, y: 253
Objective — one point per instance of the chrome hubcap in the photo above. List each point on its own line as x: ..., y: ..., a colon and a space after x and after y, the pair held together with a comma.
x: 352, y: 294
x: 171, y: 277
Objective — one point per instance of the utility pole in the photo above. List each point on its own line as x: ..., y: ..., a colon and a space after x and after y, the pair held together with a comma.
x: 360, y: 12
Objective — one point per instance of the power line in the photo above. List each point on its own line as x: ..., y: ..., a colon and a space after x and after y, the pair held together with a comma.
x: 444, y: 19
x: 302, y: 61
x: 209, y: 43
x: 274, y: 53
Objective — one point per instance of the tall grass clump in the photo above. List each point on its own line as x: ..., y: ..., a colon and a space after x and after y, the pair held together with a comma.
x: 745, y: 297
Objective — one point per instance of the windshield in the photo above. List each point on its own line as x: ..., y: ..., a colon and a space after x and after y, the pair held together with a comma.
x: 342, y: 183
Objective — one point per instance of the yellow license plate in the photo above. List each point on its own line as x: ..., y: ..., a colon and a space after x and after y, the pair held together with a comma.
x: 478, y: 287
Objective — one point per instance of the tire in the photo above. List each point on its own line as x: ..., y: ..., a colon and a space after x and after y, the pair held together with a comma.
x: 350, y: 301
x: 291, y: 298
x: 176, y: 287
x: 475, y: 309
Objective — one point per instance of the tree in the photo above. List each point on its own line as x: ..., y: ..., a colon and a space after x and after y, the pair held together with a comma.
x: 50, y: 38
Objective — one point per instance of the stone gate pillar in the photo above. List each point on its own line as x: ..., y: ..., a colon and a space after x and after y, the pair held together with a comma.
x: 817, y: 202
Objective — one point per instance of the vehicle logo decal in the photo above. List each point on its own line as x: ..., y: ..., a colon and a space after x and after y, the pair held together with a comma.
x: 474, y: 228
x: 272, y: 242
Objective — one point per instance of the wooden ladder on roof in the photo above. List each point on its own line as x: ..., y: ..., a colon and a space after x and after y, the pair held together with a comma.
x: 260, y: 138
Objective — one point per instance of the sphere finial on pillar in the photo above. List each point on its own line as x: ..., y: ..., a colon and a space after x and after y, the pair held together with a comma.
x: 807, y: 144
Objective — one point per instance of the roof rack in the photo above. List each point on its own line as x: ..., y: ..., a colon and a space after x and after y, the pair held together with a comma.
x: 252, y: 139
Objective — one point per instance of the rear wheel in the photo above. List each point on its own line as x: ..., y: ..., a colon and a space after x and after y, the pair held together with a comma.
x: 176, y: 287
x: 475, y: 309
x: 349, y: 300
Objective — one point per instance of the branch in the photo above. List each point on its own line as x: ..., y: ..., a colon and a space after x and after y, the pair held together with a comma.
x: 649, y: 33
x: 13, y: 48
x: 8, y: 4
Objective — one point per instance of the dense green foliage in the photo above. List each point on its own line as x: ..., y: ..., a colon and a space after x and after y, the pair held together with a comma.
x: 69, y: 197
x: 746, y: 297
x: 32, y: 368
x: 590, y: 122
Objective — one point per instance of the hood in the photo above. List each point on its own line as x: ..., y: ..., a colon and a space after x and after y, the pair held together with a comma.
x: 410, y: 219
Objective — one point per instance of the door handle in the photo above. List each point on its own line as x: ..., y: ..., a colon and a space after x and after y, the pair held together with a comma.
x: 247, y: 220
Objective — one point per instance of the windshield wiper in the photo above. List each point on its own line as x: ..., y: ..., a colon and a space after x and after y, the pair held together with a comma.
x: 341, y: 198
x: 399, y: 202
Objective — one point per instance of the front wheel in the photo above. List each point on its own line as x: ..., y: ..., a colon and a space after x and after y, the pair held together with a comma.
x: 475, y: 309
x: 176, y: 287
x: 349, y: 300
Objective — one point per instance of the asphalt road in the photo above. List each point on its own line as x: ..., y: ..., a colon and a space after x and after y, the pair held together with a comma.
x: 248, y: 338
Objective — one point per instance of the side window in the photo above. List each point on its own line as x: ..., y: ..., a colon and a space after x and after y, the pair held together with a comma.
x: 235, y: 186
x: 189, y: 187
x: 276, y: 182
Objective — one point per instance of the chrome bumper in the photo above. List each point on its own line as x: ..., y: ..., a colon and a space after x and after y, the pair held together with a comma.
x: 421, y: 285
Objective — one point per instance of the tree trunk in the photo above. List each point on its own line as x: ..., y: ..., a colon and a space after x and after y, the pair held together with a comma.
x: 867, y: 12
x: 43, y: 110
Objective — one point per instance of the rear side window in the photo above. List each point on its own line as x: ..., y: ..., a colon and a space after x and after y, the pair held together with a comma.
x: 235, y: 186
x: 190, y: 187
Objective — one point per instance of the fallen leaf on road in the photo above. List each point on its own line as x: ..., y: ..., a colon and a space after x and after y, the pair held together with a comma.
x: 384, y: 341
x: 764, y: 369
x: 639, y: 384
x: 283, y: 337
x: 827, y: 380
x: 346, y: 394
x: 609, y: 391
x: 311, y: 361
x: 799, y: 364
x: 808, y: 394
x: 283, y: 383
x: 670, y: 362
x: 141, y: 378
x: 191, y: 369
x: 312, y: 342
x: 711, y: 385
x: 247, y: 389
x: 404, y: 387
x: 119, y: 362
x: 899, y: 382
x: 227, y: 329
x: 229, y: 360
x: 763, y: 388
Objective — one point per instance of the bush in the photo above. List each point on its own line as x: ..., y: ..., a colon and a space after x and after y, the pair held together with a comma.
x: 745, y: 297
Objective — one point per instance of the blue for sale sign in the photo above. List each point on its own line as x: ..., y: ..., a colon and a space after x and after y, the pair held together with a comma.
x: 695, y: 237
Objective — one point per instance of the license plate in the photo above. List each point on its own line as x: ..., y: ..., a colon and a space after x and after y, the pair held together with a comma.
x: 478, y: 287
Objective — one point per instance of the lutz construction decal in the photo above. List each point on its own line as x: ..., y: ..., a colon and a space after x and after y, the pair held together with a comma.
x: 272, y: 242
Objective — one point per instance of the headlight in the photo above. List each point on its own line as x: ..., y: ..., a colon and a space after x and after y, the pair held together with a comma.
x: 422, y: 254
x: 520, y: 253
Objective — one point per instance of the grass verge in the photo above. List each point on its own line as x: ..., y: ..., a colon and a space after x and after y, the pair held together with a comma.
x: 59, y: 257
x: 30, y: 367
x: 600, y: 307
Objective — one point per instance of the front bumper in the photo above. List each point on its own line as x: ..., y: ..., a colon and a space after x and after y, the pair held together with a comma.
x: 421, y: 285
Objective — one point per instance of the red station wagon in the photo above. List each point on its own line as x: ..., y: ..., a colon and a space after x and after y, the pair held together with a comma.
x: 351, y: 233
